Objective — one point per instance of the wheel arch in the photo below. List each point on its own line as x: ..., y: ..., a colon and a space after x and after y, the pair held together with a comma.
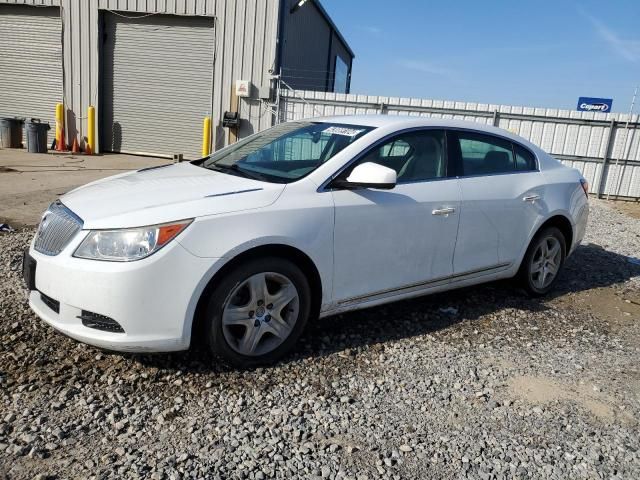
x: 558, y: 220
x: 562, y: 223
x: 279, y: 250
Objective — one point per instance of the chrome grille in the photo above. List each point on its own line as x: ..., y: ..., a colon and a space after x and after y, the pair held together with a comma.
x: 57, y: 227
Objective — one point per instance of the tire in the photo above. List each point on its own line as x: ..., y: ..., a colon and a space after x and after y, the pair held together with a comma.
x: 534, y: 271
x: 246, y: 330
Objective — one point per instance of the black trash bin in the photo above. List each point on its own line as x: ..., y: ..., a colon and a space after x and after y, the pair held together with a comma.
x: 11, y: 132
x: 37, y: 136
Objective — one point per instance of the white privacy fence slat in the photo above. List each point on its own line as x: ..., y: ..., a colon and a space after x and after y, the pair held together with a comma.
x: 597, y: 144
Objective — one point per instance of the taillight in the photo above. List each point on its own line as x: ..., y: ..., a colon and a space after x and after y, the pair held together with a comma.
x: 585, y: 186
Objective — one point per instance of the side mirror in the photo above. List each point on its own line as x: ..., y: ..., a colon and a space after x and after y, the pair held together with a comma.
x: 369, y: 175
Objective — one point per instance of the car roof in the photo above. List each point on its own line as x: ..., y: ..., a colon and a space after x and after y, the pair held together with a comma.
x: 399, y: 122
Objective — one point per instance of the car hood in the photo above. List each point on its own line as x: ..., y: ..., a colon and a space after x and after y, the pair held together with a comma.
x: 164, y: 194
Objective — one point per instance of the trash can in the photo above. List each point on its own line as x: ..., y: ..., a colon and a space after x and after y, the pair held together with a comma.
x: 37, y: 136
x: 11, y: 132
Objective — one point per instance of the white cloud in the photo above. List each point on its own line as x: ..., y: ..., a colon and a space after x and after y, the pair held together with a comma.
x: 371, y: 29
x: 424, y: 67
x: 629, y: 49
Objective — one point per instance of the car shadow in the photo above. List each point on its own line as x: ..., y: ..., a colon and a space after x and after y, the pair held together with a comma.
x: 589, y: 267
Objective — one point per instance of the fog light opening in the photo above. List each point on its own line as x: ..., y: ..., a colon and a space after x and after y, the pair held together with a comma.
x: 100, y: 322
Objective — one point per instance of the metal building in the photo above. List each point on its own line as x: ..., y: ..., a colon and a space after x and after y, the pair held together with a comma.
x: 153, y: 69
x: 314, y: 55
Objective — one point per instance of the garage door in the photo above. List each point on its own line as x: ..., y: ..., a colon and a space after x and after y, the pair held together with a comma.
x: 30, y: 62
x: 157, y: 83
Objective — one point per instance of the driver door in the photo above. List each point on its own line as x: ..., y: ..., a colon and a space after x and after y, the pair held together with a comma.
x: 389, y: 241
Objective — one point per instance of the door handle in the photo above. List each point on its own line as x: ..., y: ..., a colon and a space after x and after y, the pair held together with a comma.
x: 531, y: 198
x: 443, y: 211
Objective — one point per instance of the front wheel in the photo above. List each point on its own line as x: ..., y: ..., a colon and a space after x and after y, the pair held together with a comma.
x: 543, y: 261
x: 257, y: 312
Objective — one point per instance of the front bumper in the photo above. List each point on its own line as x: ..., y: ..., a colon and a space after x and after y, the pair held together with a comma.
x: 152, y: 299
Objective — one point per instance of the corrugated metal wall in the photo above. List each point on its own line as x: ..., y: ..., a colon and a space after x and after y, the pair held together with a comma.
x: 580, y: 139
x: 177, y: 7
x: 247, y: 38
x: 36, y: 3
x: 246, y: 35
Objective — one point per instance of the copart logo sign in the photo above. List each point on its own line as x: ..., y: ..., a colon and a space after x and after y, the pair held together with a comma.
x: 589, y: 104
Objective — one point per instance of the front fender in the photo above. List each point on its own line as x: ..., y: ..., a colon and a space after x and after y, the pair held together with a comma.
x: 224, y: 237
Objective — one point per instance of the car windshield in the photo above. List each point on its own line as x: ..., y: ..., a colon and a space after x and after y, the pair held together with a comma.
x: 286, y: 152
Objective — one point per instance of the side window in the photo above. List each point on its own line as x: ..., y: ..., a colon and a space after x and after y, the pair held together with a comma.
x: 415, y: 156
x: 525, y: 160
x: 485, y: 154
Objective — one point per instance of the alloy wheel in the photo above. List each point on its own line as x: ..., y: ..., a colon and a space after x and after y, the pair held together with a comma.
x: 545, y: 262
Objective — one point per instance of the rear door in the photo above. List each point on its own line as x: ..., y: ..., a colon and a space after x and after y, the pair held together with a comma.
x: 502, y: 199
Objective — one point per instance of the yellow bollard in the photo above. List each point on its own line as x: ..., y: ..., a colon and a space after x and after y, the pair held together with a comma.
x: 90, y: 148
x: 60, y: 146
x: 206, y: 136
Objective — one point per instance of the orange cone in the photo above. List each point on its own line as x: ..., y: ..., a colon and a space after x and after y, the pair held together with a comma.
x: 75, y: 148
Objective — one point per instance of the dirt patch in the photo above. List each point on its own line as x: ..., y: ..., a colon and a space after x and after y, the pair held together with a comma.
x: 632, y: 209
x: 31, y: 181
x: 542, y: 391
x: 619, y: 309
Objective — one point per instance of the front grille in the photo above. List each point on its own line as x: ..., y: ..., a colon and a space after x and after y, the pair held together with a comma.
x: 50, y: 302
x: 57, y: 227
x: 100, y: 322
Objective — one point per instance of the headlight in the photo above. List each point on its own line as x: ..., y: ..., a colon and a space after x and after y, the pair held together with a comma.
x: 129, y: 244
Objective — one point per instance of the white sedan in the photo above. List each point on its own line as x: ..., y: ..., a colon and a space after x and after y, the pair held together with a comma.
x: 306, y: 219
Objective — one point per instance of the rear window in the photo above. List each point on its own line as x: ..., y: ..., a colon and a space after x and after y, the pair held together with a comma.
x: 524, y: 158
x: 489, y: 155
x: 485, y: 154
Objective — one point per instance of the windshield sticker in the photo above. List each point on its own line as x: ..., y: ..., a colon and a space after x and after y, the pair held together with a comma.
x: 347, y: 132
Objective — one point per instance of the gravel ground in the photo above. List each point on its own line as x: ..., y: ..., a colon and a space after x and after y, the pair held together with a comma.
x: 477, y: 383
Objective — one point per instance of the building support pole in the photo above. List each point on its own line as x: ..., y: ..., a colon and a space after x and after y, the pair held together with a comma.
x: 90, y: 147
x: 206, y: 136
x: 60, y: 142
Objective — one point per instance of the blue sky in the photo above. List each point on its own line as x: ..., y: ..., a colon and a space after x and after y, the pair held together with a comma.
x: 534, y: 53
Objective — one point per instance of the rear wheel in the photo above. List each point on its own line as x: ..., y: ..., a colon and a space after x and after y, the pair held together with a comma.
x: 543, y: 261
x: 257, y: 312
